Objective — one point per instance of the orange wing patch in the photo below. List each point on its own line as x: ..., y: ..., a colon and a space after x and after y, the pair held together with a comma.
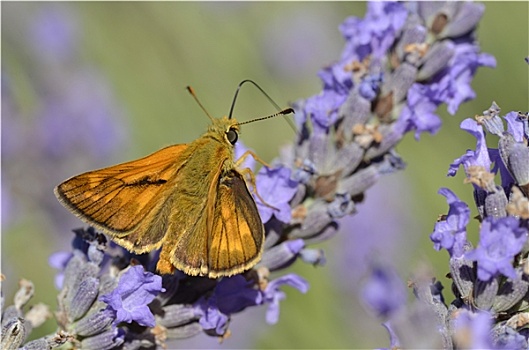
x: 238, y: 233
x: 117, y: 199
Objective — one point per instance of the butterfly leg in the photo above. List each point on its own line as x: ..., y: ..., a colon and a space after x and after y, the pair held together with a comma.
x: 249, y: 172
x: 251, y: 175
x: 245, y: 155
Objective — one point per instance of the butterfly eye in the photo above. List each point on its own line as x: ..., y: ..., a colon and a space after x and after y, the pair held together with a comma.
x: 232, y: 136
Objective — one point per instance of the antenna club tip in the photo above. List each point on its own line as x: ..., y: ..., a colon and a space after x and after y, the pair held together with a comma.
x: 288, y: 111
x: 190, y: 90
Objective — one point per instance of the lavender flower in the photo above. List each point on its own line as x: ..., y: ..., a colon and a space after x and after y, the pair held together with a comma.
x: 450, y: 232
x: 136, y: 289
x: 375, y: 295
x: 399, y: 64
x: 500, y: 240
x: 273, y: 295
x: 472, y: 330
x: 489, y: 282
x: 277, y: 189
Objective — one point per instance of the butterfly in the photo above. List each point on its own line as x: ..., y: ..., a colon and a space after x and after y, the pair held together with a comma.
x: 192, y: 200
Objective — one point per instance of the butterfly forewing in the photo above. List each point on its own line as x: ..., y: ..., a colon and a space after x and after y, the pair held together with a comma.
x: 119, y: 199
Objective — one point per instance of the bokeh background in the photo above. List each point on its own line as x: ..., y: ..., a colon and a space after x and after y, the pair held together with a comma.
x: 87, y: 85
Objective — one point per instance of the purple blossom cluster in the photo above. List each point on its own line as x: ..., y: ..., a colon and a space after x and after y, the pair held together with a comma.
x: 400, y: 62
x: 490, y: 282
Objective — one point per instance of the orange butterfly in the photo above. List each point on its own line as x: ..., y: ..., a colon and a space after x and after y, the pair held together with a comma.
x: 190, y: 199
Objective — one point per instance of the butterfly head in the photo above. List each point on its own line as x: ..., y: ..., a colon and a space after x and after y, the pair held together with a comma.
x: 226, y: 129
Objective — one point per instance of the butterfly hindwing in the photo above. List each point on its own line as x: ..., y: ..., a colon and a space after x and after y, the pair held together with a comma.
x: 237, y: 237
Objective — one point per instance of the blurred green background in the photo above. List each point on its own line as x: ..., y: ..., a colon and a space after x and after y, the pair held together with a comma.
x: 146, y: 53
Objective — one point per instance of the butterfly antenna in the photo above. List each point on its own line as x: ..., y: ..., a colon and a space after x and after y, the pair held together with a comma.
x: 282, y: 112
x: 192, y: 92
x: 257, y: 86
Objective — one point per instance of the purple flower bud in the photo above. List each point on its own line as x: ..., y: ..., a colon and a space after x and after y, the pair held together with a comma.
x: 185, y: 331
x: 315, y: 221
x: 74, y: 266
x: 413, y: 34
x: 313, y: 256
x: 11, y: 312
x: 436, y: 59
x: 400, y: 81
x: 384, y: 292
x: 496, y: 203
x: 484, y: 293
x: 325, y: 233
x: 94, y: 323
x: 464, y: 20
x: 518, y: 163
x: 281, y: 255
x: 274, y: 232
x: 83, y: 298
x: 304, y: 172
x: 491, y: 120
x: 175, y: 315
x: 348, y: 158
x: 317, y: 150
x: 13, y: 333
x: 463, y: 274
x: 357, y: 183
x: 341, y: 206
x: 110, y: 339
x: 95, y: 254
x: 510, y: 293
x: 391, y: 136
x: 39, y: 344
x: 355, y: 110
